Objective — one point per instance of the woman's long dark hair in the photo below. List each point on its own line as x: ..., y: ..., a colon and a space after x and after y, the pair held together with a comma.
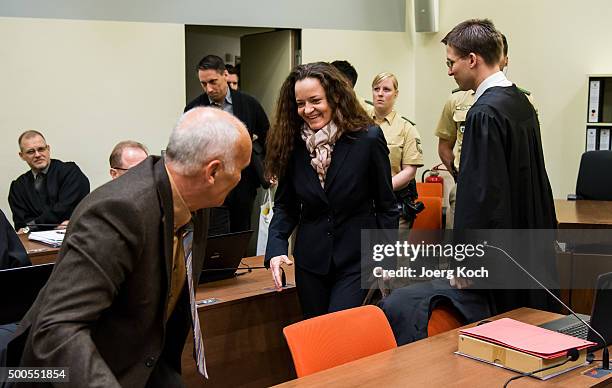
x: 347, y: 113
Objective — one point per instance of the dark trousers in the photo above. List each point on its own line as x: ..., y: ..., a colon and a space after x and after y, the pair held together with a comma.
x: 322, y: 294
x: 219, y: 221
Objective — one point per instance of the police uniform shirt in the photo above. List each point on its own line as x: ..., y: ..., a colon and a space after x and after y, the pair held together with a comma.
x: 452, y: 121
x: 403, y: 140
x: 451, y: 125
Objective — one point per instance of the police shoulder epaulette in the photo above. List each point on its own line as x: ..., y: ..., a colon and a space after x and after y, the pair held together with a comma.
x: 410, y: 121
x: 525, y: 91
x: 456, y: 90
x: 369, y: 102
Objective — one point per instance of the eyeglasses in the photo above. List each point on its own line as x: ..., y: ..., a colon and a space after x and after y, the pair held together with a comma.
x: 120, y: 169
x: 450, y: 63
x: 33, y: 151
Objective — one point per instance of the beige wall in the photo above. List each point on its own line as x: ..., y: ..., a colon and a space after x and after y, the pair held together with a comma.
x: 553, y: 46
x: 87, y: 85
x: 370, y: 53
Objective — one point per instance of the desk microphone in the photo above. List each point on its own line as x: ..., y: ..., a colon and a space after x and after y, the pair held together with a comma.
x: 605, y: 353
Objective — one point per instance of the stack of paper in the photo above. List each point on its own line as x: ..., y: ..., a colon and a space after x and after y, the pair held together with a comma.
x: 51, y: 237
x: 521, y: 347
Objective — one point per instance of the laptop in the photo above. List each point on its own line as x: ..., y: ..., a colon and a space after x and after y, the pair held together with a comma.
x: 19, y: 288
x: 600, y: 318
x: 223, y: 255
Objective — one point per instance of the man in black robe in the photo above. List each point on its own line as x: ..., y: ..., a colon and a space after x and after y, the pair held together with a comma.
x: 502, y: 184
x: 45, y: 196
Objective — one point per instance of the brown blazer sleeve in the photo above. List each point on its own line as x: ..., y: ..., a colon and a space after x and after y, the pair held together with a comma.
x: 95, y: 260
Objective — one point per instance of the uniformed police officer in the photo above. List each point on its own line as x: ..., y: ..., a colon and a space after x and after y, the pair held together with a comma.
x: 403, y: 140
x: 451, y: 125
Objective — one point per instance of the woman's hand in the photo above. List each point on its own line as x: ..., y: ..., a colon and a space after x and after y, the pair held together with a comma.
x: 275, y: 266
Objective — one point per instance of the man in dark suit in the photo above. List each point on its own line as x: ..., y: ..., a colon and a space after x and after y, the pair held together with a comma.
x: 46, y: 195
x: 12, y: 252
x: 12, y: 255
x: 118, y: 305
x: 212, y: 75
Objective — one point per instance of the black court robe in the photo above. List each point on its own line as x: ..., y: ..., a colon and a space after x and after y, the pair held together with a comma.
x: 503, y: 185
x: 66, y: 187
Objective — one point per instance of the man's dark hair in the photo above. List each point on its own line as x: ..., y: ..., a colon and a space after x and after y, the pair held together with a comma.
x: 231, y: 69
x: 212, y: 62
x: 347, y: 69
x: 504, y: 44
x: 477, y: 36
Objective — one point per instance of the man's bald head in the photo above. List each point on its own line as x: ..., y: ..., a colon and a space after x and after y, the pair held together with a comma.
x: 125, y: 155
x: 206, y: 153
x: 203, y: 134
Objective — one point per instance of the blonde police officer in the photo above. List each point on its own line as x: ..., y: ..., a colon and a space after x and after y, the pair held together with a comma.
x: 403, y: 139
x: 451, y: 125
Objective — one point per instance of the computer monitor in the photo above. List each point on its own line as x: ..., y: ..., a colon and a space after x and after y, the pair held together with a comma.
x: 223, y: 255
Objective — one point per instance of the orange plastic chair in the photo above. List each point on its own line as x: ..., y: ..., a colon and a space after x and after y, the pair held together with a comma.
x: 425, y: 189
x: 333, y: 339
x: 443, y: 318
x: 431, y: 217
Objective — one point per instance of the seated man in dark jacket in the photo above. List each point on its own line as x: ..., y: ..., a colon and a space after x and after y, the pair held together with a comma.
x: 45, y: 196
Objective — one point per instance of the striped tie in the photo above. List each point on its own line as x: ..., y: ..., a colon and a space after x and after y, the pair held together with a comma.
x: 198, y: 344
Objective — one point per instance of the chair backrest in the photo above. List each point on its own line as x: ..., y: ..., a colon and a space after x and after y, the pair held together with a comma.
x: 594, y: 176
x: 333, y: 339
x: 444, y: 317
x: 425, y: 189
x: 431, y: 216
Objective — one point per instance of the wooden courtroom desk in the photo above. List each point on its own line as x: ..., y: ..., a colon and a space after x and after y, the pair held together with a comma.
x: 432, y: 363
x: 582, y: 267
x: 39, y: 253
x: 583, y: 214
x: 243, y: 339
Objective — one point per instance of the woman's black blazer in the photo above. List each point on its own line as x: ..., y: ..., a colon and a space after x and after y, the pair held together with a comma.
x: 358, y: 195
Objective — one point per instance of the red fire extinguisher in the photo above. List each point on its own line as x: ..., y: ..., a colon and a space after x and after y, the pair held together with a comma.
x: 434, y: 175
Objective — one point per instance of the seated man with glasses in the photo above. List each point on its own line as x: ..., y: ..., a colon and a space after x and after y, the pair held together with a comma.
x: 44, y: 197
x: 126, y: 155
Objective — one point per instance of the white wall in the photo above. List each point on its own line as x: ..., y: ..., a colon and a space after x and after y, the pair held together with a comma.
x: 87, y: 85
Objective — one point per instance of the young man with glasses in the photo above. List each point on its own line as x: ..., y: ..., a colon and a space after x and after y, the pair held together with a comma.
x: 451, y: 124
x: 502, y: 184
x: 45, y: 196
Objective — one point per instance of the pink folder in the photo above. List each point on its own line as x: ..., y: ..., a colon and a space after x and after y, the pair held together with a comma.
x: 526, y: 338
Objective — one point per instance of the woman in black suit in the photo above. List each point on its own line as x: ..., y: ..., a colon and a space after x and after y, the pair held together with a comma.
x: 334, y: 180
